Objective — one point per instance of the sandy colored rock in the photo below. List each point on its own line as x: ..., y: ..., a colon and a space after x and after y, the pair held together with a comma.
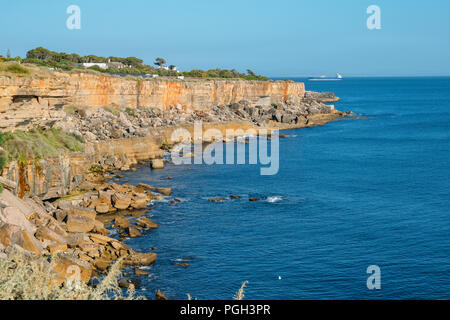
x: 56, y: 247
x: 139, y: 201
x: 134, y: 232
x: 14, y: 216
x: 164, y: 191
x: 68, y: 266
x: 44, y: 233
x: 218, y: 199
x: 101, y: 239
x: 145, y: 186
x: 30, y: 243
x: 74, y: 239
x: 7, y: 197
x: 140, y: 259
x: 157, y: 164
x: 120, y: 201
x: 10, y: 235
x: 105, y: 196
x: 80, y: 211
x: 102, y: 264
x: 89, y: 248
x: 79, y: 224
x: 140, y: 272
x: 102, y: 208
x: 121, y: 222
x: 160, y: 296
x: 147, y: 223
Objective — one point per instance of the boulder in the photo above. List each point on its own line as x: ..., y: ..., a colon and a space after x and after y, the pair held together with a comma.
x: 10, y: 235
x: 147, y: 223
x: 139, y: 201
x: 30, y: 243
x: 145, y: 186
x: 69, y: 267
x: 160, y: 296
x: 157, y: 164
x: 81, y: 224
x: 218, y: 199
x: 140, y: 259
x: 79, y: 211
x: 164, y: 191
x: 74, y: 239
x: 105, y: 197
x: 44, y: 233
x: 102, y: 264
x: 99, y: 227
x: 7, y: 197
x: 56, y: 247
x: 121, y: 201
x: 121, y: 222
x: 13, y: 215
x: 134, y: 232
x: 101, y: 239
x: 140, y: 272
x: 102, y: 208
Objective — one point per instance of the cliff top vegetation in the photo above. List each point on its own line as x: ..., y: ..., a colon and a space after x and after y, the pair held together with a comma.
x: 116, y: 65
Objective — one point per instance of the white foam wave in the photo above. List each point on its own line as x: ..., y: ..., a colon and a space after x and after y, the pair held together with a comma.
x: 274, y: 199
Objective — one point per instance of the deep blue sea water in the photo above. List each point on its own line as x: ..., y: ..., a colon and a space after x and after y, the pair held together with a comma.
x: 372, y: 191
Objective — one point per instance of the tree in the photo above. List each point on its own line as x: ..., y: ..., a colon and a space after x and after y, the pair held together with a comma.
x: 172, y: 67
x: 250, y: 72
x: 40, y: 53
x: 8, y: 54
x: 160, y: 62
x: 133, y: 61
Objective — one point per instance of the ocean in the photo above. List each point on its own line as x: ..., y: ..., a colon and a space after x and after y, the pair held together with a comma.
x: 348, y: 195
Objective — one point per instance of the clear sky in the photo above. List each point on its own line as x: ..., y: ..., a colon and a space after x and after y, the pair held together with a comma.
x: 274, y: 38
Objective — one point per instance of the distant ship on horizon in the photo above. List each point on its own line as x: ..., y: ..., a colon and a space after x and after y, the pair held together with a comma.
x: 325, y: 78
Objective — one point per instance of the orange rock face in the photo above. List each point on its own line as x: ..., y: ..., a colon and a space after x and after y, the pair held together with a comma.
x: 87, y: 89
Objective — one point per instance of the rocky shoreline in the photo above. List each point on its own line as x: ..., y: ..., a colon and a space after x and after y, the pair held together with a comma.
x: 73, y: 229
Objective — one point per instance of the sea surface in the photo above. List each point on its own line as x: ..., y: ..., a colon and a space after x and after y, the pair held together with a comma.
x: 348, y: 195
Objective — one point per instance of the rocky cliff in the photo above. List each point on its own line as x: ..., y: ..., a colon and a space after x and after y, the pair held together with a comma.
x: 119, y: 137
x: 46, y: 93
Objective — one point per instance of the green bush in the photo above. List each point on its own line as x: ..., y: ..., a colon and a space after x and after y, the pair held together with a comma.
x: 131, y: 112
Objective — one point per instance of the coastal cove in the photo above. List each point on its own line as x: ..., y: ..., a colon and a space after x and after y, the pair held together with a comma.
x: 60, y: 208
x: 348, y: 195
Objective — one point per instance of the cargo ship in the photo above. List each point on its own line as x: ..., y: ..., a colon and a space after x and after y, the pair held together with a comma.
x: 325, y: 78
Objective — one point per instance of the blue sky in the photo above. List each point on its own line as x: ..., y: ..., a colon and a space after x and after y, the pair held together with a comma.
x: 275, y: 38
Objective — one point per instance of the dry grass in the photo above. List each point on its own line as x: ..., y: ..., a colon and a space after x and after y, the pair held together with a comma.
x: 25, y: 278
x: 240, y: 294
x: 38, y: 143
x: 14, y: 68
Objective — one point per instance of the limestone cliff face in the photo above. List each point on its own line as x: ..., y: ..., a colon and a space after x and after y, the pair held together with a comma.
x: 87, y: 89
x: 55, y: 177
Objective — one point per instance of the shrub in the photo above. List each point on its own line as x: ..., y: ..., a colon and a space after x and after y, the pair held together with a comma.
x: 130, y: 111
x: 14, y: 68
x: 24, y: 278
